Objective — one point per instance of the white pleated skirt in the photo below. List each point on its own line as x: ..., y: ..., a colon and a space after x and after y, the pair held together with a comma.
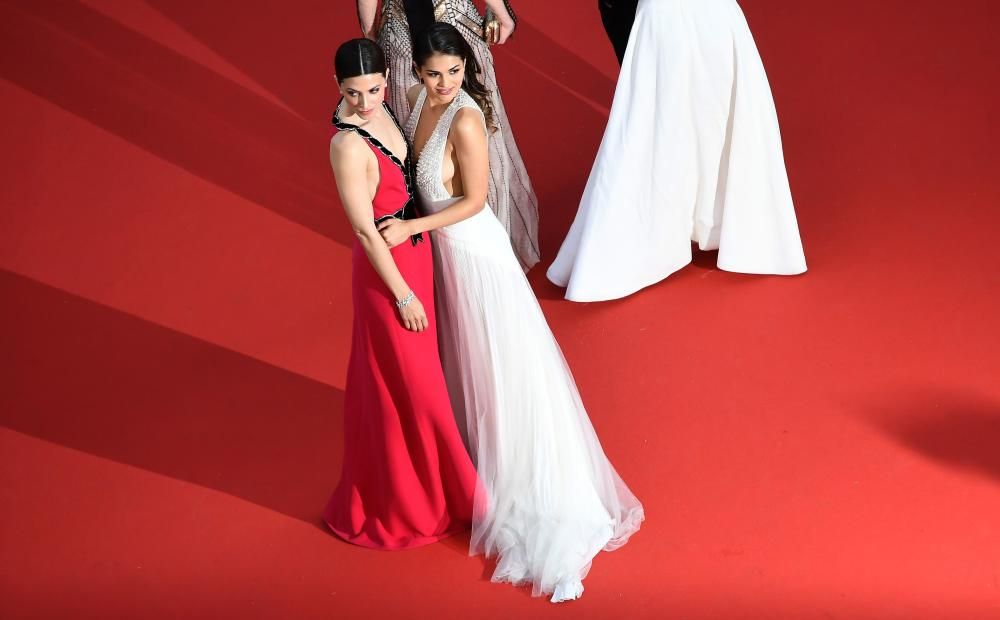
x: 691, y: 152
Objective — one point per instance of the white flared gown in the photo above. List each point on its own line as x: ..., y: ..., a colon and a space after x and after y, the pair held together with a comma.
x: 550, y: 500
x: 691, y: 152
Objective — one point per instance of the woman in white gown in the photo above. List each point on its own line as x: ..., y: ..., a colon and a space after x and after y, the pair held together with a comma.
x: 550, y: 499
x: 692, y: 152
x: 511, y: 196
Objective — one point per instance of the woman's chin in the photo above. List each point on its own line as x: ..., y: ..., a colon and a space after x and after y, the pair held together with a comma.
x: 443, y: 94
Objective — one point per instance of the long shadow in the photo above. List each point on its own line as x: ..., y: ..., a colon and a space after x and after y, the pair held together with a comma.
x: 248, y: 40
x: 558, y: 140
x: 176, y: 109
x: 287, y: 51
x: 955, y: 429
x: 532, y: 63
x: 93, y: 67
x: 91, y: 378
x: 559, y: 64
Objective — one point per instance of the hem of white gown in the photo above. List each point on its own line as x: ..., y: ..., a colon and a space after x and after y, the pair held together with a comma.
x: 563, y: 591
x: 574, y: 293
x: 758, y: 271
x: 569, y: 591
x: 566, y: 589
x: 608, y: 294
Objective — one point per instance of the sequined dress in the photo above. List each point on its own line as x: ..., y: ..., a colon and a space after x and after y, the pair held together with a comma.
x: 511, y: 196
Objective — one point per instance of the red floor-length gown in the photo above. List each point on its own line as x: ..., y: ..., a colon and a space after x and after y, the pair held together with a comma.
x: 407, y: 479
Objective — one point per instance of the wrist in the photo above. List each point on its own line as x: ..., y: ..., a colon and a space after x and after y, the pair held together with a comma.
x: 405, y: 300
x: 500, y: 10
x: 400, y: 292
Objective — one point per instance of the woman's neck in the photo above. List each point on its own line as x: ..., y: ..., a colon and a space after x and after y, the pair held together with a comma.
x: 436, y: 103
x: 353, y: 118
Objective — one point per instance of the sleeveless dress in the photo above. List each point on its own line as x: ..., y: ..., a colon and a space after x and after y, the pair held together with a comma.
x: 510, y: 193
x: 407, y: 479
x: 691, y: 152
x: 549, y: 499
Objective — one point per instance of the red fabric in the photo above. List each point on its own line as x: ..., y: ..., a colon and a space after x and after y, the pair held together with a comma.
x: 175, y: 328
x: 407, y: 479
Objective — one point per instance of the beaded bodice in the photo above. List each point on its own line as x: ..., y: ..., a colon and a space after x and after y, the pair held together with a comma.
x: 428, y: 168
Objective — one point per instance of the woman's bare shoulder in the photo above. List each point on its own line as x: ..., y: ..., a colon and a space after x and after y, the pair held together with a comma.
x: 348, y: 151
x: 345, y: 142
x: 468, y: 121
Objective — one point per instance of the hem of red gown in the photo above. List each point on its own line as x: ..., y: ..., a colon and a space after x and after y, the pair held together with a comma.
x: 363, y: 540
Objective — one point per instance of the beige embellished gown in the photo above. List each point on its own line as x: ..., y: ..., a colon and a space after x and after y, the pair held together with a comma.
x: 510, y: 196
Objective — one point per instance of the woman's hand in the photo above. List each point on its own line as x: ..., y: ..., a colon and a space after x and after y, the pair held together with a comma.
x: 395, y: 231
x: 506, y: 27
x: 499, y: 23
x: 413, y: 316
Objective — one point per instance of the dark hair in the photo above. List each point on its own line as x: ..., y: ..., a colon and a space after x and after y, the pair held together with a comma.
x: 443, y: 38
x: 358, y: 57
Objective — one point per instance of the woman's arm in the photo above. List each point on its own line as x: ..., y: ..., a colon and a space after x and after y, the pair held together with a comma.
x: 367, y: 10
x: 468, y: 135
x: 348, y: 158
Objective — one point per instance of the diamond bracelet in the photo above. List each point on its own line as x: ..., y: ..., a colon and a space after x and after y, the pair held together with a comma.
x: 402, y: 303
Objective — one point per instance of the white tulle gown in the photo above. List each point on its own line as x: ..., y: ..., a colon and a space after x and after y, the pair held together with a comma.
x: 550, y: 499
x: 692, y: 152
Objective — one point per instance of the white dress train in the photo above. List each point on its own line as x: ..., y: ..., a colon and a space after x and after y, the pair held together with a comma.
x: 691, y: 152
x: 550, y: 499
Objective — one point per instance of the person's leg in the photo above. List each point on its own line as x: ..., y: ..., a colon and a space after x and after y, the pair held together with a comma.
x: 617, y: 16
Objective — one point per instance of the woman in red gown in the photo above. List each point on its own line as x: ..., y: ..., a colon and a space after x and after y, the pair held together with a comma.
x: 407, y: 479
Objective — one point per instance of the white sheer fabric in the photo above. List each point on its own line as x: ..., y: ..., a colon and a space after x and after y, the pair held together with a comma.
x: 550, y: 499
x: 692, y: 152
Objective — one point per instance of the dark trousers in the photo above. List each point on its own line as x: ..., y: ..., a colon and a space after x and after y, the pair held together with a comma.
x: 618, y: 16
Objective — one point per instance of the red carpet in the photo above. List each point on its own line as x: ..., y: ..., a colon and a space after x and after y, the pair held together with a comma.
x: 174, y: 326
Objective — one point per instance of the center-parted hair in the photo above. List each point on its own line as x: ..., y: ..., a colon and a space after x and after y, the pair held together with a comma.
x: 443, y: 38
x: 358, y: 57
